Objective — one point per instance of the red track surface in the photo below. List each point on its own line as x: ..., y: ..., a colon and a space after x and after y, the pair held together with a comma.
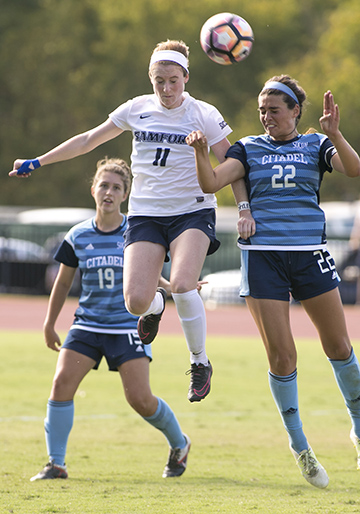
x: 28, y: 313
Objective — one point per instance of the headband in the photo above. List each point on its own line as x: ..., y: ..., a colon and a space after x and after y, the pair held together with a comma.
x: 281, y: 87
x: 170, y: 55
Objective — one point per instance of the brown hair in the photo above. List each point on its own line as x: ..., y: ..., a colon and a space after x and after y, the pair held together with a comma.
x: 118, y: 166
x: 294, y: 86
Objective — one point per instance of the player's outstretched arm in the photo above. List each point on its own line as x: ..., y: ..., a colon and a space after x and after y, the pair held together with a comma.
x: 77, y: 145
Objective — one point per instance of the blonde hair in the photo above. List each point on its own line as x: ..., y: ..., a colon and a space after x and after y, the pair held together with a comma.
x: 118, y: 166
x: 177, y: 46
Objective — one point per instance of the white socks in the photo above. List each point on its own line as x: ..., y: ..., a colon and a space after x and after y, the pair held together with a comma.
x: 191, y: 312
x: 156, y: 306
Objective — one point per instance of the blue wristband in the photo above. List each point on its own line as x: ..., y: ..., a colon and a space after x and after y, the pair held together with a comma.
x: 28, y: 166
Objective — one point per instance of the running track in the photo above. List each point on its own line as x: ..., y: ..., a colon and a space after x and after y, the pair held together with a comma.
x: 28, y: 313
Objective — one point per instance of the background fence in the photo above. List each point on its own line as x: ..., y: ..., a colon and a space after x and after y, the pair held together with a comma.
x: 30, y: 237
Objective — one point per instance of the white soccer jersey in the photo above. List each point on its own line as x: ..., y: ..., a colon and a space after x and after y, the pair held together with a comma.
x: 162, y: 164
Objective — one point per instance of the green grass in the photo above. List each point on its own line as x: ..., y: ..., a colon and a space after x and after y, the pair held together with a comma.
x: 239, y: 461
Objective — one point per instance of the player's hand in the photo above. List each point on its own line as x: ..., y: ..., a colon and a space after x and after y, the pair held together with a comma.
x: 200, y: 284
x: 330, y: 120
x: 197, y: 140
x: 246, y: 224
x: 22, y: 168
x: 52, y: 339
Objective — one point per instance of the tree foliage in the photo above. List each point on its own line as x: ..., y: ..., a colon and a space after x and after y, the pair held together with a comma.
x: 65, y: 65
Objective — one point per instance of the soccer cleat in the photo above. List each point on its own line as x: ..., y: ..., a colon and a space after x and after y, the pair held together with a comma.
x: 51, y: 470
x: 356, y: 442
x: 148, y: 326
x: 310, y: 468
x: 177, y: 461
x: 200, y: 381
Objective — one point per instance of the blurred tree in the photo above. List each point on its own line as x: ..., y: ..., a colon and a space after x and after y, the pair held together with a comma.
x: 65, y: 65
x: 335, y: 64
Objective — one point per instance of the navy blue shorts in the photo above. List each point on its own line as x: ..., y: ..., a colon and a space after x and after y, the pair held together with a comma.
x: 276, y: 274
x: 164, y: 229
x: 116, y: 348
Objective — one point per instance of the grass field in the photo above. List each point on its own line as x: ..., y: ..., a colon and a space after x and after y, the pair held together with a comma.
x: 239, y: 461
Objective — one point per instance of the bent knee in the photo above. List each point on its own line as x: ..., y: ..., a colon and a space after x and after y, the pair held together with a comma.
x: 62, y: 388
x: 136, y: 306
x: 339, y: 352
x: 145, y: 406
x: 282, y: 364
x: 182, y: 286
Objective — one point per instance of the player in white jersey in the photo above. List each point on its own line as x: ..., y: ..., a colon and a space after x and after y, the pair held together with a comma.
x: 102, y: 326
x: 284, y: 170
x: 168, y: 212
x: 161, y: 159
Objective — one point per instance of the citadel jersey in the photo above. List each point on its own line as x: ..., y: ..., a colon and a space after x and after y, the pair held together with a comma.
x: 100, y: 256
x: 283, y: 179
x: 162, y: 164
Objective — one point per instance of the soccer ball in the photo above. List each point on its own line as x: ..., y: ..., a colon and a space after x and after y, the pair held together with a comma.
x: 226, y: 38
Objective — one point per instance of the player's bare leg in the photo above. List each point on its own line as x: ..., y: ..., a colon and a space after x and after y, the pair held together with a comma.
x: 186, y: 266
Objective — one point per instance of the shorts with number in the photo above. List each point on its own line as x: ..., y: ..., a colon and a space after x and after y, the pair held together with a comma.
x: 116, y: 348
x: 164, y: 229
x: 277, y: 274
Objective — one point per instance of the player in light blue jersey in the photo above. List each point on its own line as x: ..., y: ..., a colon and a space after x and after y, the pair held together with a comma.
x: 284, y: 246
x: 102, y: 327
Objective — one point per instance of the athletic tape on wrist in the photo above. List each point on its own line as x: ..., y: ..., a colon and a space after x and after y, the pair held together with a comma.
x: 28, y: 166
x: 243, y: 206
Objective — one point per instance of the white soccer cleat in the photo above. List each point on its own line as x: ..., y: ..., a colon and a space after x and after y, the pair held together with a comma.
x: 356, y: 442
x: 310, y: 468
